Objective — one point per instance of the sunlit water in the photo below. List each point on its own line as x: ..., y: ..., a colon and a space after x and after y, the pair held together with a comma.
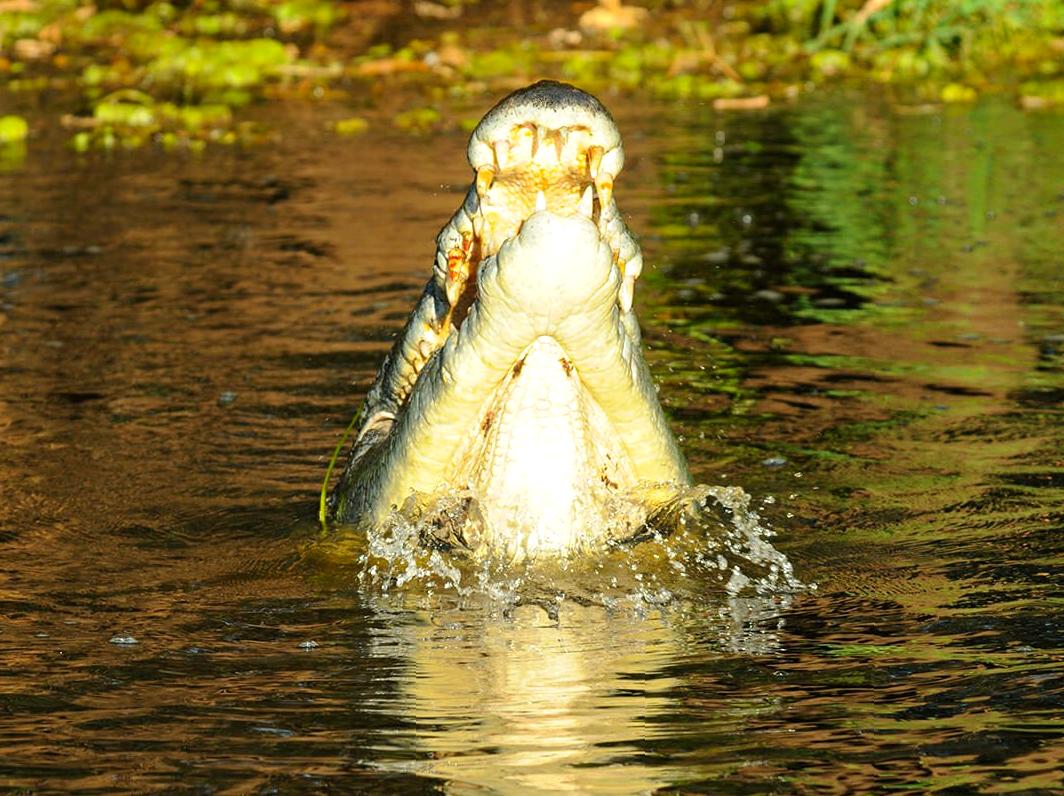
x: 856, y: 315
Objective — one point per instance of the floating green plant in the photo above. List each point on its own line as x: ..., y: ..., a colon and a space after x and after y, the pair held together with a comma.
x: 297, y: 15
x: 1042, y: 93
x: 129, y: 118
x: 188, y: 67
x: 418, y: 120
x: 13, y: 129
x: 958, y: 93
x: 354, y: 125
x: 231, y: 54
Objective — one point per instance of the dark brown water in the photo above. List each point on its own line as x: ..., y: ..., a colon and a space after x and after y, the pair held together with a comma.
x: 855, y: 313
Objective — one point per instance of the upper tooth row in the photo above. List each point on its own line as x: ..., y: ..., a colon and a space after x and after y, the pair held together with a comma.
x: 586, y: 118
x: 564, y: 143
x: 602, y: 177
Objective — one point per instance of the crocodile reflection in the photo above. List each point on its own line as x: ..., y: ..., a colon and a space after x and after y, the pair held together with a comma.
x: 523, y: 703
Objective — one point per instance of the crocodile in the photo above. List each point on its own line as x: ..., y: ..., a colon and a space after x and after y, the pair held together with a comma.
x: 518, y: 386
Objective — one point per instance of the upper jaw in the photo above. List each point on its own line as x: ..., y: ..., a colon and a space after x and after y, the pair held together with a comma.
x: 548, y: 105
x: 549, y: 141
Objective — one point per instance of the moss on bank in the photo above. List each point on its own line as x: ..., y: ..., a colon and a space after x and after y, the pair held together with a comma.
x: 181, y: 75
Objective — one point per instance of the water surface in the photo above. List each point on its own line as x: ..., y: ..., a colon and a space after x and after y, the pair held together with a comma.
x: 855, y: 312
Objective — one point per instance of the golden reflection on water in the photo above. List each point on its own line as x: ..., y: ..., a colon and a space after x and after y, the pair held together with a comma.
x: 529, y: 705
x: 521, y: 703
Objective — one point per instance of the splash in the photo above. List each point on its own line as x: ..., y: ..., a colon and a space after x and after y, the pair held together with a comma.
x: 708, y: 540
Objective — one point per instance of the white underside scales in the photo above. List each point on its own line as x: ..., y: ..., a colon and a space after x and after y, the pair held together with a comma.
x: 545, y: 464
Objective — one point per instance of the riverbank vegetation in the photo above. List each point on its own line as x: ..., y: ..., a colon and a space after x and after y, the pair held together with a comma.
x: 121, y: 73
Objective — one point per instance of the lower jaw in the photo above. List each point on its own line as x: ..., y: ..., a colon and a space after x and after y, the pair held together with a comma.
x: 438, y: 443
x: 573, y: 292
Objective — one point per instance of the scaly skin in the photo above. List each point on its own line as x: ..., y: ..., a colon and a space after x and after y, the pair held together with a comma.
x: 519, y: 380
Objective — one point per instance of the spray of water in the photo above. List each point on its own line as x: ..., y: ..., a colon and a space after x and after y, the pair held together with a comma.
x: 708, y: 540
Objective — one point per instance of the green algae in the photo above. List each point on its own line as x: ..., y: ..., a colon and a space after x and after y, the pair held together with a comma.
x: 354, y: 125
x: 129, y: 118
x: 13, y: 133
x: 418, y: 120
x: 161, y: 73
x: 233, y: 54
x: 299, y: 15
x: 13, y: 129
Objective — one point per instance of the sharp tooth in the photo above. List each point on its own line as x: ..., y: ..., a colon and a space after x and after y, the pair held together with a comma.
x: 604, y: 187
x: 594, y: 160
x: 541, y: 201
x: 463, y: 224
x: 457, y: 268
x: 502, y: 153
x: 633, y: 267
x: 543, y: 144
x: 486, y: 236
x: 570, y: 143
x: 533, y: 142
x: 522, y: 144
x: 485, y: 176
x: 587, y: 202
x: 454, y: 290
x: 559, y: 143
x: 626, y: 294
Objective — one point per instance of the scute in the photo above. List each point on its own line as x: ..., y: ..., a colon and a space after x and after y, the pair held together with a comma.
x: 545, y: 465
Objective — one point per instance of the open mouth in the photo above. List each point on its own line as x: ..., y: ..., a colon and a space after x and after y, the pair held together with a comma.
x: 549, y: 147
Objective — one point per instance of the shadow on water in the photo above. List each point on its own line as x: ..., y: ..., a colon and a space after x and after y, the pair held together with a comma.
x: 855, y: 314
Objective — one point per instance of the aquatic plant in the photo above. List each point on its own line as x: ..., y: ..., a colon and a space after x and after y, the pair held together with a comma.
x: 160, y: 72
x: 917, y: 39
x: 188, y: 61
x: 13, y: 129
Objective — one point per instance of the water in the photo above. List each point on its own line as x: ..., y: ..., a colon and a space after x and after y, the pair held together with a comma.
x: 856, y: 314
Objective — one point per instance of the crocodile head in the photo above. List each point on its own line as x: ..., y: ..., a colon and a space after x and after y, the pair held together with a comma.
x: 518, y: 384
